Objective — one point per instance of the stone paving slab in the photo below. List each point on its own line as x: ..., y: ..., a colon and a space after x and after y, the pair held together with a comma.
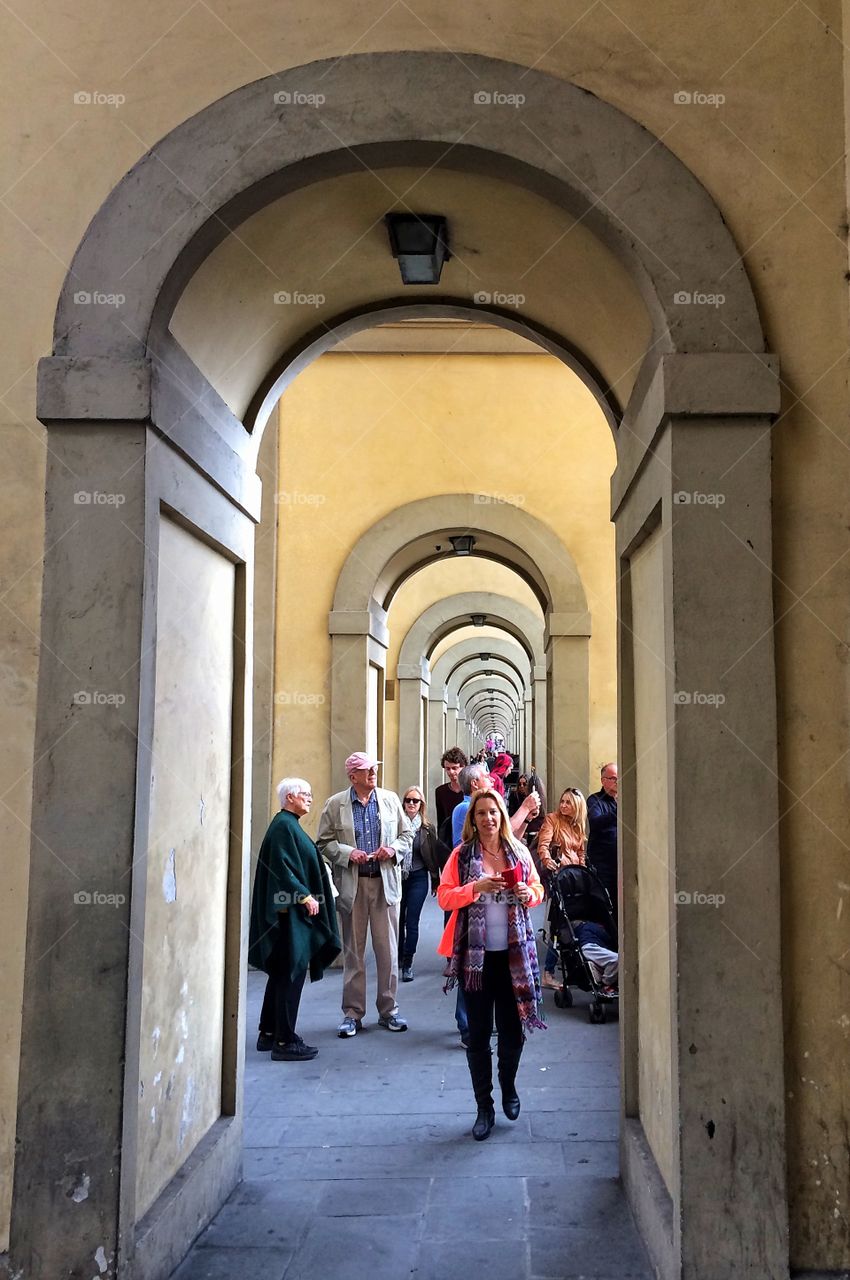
x: 274, y: 1104
x: 380, y: 1248
x: 219, y: 1264
x: 497, y: 1260
x: 360, y: 1162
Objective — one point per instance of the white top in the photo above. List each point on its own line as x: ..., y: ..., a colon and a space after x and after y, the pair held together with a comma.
x: 496, y: 920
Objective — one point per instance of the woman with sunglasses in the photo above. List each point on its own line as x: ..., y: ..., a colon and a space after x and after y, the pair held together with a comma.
x: 562, y: 842
x: 488, y: 884
x: 427, y: 861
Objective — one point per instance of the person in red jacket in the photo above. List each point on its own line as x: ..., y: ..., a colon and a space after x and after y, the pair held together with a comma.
x: 502, y: 766
x: 488, y: 885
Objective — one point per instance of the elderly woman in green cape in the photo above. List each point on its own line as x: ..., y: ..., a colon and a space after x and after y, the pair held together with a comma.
x: 293, y: 922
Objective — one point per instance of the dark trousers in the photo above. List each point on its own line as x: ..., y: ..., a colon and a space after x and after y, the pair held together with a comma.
x: 414, y: 891
x: 283, y: 994
x: 495, y: 997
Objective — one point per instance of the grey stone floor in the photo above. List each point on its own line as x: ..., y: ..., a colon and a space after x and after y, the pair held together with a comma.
x: 360, y: 1164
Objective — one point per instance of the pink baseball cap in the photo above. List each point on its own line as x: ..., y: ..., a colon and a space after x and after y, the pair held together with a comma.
x: 360, y: 760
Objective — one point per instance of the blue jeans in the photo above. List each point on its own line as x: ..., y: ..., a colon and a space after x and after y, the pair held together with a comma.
x: 551, y: 961
x: 414, y: 891
x: 460, y: 1003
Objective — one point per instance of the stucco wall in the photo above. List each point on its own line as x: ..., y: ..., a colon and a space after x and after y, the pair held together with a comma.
x: 656, y: 1083
x: 182, y: 1005
x: 771, y: 155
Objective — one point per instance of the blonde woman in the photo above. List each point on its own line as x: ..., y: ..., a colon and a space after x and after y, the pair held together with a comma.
x: 488, y: 885
x: 562, y: 842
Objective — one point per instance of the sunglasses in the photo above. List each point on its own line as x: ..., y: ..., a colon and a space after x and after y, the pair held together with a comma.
x: 412, y: 800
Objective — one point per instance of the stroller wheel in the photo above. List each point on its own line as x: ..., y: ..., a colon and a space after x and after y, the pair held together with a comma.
x: 560, y: 1002
x: 596, y: 1013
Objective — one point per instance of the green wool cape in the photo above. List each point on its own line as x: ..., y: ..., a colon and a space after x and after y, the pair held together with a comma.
x: 289, y: 869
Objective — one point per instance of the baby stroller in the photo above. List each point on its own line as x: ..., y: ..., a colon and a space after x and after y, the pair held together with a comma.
x: 576, y: 893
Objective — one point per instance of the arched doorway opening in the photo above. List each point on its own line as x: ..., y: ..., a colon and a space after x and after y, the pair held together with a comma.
x: 128, y: 409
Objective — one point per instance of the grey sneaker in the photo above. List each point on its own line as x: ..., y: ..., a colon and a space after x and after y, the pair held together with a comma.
x: 348, y: 1027
x: 392, y: 1023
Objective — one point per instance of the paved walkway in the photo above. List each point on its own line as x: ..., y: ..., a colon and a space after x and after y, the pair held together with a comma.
x: 359, y: 1165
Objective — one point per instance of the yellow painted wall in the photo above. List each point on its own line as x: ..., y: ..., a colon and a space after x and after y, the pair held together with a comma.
x: 656, y: 1080
x: 183, y: 968
x: 349, y: 425
x: 771, y: 156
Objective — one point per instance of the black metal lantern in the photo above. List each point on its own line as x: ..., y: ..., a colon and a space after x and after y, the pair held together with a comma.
x: 420, y: 242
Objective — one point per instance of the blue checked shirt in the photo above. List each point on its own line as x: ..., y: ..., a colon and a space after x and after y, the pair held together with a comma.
x: 367, y: 826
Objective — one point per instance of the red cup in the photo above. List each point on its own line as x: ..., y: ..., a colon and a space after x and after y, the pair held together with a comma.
x: 512, y: 876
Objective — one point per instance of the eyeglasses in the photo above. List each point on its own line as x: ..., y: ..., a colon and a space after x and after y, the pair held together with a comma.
x: 412, y: 800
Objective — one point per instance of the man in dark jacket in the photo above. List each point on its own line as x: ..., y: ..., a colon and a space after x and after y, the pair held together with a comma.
x: 293, y: 922
x: 602, y: 837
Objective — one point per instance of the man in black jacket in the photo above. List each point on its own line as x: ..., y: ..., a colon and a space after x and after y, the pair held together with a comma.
x: 602, y: 837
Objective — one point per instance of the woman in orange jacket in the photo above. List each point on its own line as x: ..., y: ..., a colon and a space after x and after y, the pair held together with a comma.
x: 488, y: 884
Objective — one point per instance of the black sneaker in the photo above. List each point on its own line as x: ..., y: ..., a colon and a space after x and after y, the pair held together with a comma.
x: 407, y: 973
x: 265, y: 1041
x: 293, y: 1052
x: 311, y: 1047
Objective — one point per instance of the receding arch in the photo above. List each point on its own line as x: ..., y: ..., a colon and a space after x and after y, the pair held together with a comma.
x: 152, y: 233
x: 442, y: 702
x: 441, y: 619
x: 445, y: 616
x: 403, y: 541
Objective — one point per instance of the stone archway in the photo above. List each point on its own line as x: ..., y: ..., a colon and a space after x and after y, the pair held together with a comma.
x: 127, y: 410
x: 503, y: 654
x: 440, y: 620
x: 402, y: 542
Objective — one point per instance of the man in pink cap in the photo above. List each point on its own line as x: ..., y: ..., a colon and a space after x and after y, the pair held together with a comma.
x: 365, y: 836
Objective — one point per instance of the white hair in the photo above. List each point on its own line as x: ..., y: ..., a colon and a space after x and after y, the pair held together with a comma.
x: 289, y: 787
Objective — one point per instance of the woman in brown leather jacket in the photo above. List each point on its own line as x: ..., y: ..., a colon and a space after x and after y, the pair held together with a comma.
x: 562, y: 841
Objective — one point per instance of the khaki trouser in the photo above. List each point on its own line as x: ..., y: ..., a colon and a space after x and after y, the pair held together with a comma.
x: 370, y: 910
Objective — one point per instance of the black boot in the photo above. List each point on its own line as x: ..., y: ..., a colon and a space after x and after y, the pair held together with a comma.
x: 481, y: 1070
x: 508, y: 1067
